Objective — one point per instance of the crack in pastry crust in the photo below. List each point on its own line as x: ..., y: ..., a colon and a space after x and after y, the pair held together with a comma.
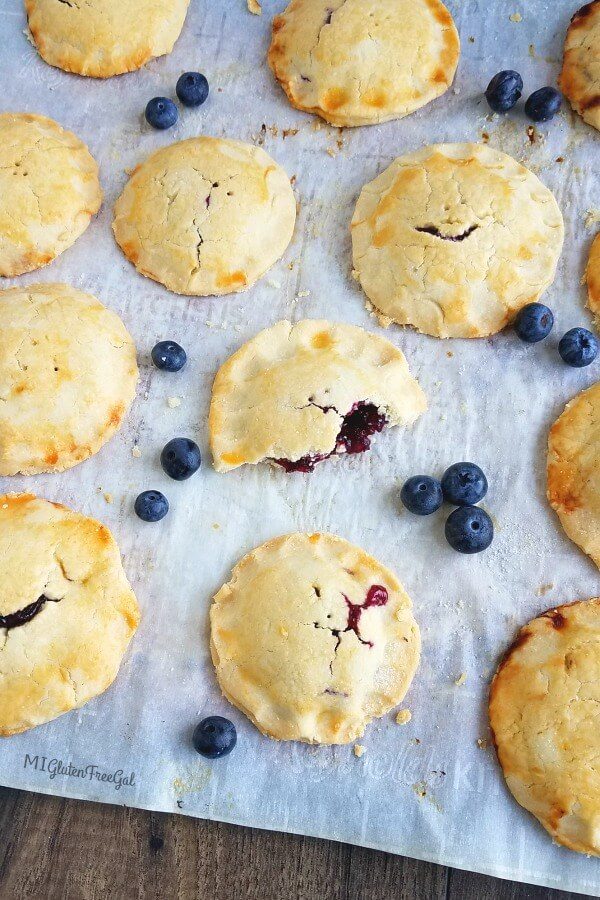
x: 27, y: 613
x: 592, y: 277
x: 580, y: 76
x: 573, y: 470
x: 312, y: 638
x: 55, y: 659
x: 206, y: 216
x: 68, y: 376
x: 359, y: 62
x: 49, y: 190
x: 100, y: 38
x: 544, y: 718
x: 454, y: 239
x: 283, y: 394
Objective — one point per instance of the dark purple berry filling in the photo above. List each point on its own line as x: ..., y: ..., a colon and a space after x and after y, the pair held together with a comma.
x: 358, y: 426
x: 21, y: 616
x: 376, y: 596
x: 435, y: 231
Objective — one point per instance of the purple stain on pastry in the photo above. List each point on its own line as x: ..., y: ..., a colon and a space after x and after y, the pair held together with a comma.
x: 377, y: 595
x: 358, y: 426
x: 22, y: 616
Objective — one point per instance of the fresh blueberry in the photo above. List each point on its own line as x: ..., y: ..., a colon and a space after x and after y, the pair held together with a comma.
x: 469, y: 529
x: 180, y: 458
x: 464, y: 484
x: 192, y: 89
x: 422, y: 495
x: 214, y: 737
x: 578, y: 347
x: 151, y: 506
x: 534, y: 323
x: 161, y: 113
x: 504, y: 90
x: 169, y: 356
x: 542, y: 105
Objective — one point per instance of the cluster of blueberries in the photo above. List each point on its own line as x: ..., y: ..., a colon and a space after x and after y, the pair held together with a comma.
x: 506, y: 88
x: 192, y: 90
x: 180, y: 458
x: 469, y: 529
x: 578, y: 347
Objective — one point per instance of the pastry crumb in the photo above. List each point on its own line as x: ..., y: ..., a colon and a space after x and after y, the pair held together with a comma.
x: 288, y: 132
x: 420, y: 789
x: 543, y: 589
x: 461, y: 679
x: 303, y: 294
x: 173, y: 402
x: 136, y: 452
x: 331, y: 152
x: 592, y: 217
x: 482, y: 743
x: 108, y: 497
x: 254, y: 7
x: 516, y: 17
x: 532, y: 134
x: 359, y: 750
x: 532, y: 51
x: 216, y: 526
x: 403, y: 717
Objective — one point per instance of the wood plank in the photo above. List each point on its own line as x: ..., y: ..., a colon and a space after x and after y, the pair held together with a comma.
x: 470, y: 886
x: 68, y: 850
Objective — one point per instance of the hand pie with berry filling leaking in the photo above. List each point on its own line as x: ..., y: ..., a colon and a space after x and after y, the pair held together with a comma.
x: 544, y: 718
x: 574, y: 470
x: 580, y: 76
x: 455, y: 239
x: 206, y: 216
x: 298, y: 394
x: 312, y: 638
x: 49, y: 190
x: 68, y: 375
x: 100, y: 38
x: 67, y: 612
x: 359, y: 62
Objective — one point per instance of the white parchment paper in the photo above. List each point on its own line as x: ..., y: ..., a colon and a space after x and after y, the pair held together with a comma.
x: 425, y: 789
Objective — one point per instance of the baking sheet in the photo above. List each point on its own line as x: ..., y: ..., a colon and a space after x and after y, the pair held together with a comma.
x: 427, y: 789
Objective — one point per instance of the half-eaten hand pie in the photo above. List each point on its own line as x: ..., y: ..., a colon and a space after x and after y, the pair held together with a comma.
x: 297, y: 394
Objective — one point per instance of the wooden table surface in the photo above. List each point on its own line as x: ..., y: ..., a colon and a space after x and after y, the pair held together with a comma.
x: 52, y: 848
